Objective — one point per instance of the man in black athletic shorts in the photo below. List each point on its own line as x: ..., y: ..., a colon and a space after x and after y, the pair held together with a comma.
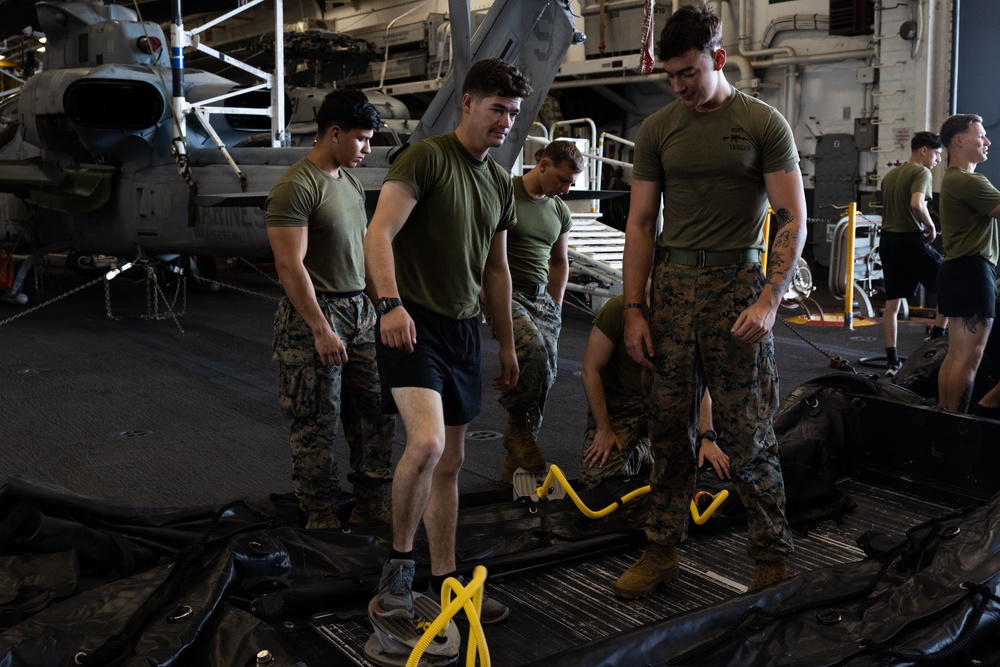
x: 438, y: 236
x: 967, y: 279
x: 908, y: 260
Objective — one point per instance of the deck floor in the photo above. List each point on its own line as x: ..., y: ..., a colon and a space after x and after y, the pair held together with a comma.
x: 561, y: 607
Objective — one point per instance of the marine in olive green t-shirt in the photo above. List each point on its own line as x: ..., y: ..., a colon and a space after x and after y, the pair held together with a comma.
x: 540, y: 223
x: 966, y: 229
x: 334, y: 211
x: 714, y: 196
x: 898, y: 187
x: 462, y: 202
x: 621, y: 376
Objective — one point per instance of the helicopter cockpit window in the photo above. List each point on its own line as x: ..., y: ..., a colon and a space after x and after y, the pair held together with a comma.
x: 121, y: 105
x: 384, y: 138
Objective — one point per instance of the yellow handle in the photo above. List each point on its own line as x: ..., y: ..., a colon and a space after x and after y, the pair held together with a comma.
x: 702, y: 518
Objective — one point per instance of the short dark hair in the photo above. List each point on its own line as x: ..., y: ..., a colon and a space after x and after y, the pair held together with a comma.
x: 562, y: 151
x: 349, y: 109
x: 690, y: 27
x: 925, y: 140
x: 493, y: 76
x: 957, y: 124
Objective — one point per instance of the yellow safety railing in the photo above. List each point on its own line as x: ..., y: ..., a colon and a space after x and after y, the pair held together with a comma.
x: 852, y: 217
x: 767, y: 238
x: 468, y: 597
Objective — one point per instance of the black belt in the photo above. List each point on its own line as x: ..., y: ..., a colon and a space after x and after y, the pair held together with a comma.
x: 340, y: 295
x: 535, y: 290
x: 703, y: 258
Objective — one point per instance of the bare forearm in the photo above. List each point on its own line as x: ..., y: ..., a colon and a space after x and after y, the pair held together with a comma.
x: 496, y: 292
x: 783, y: 254
x: 380, y: 268
x: 705, y: 413
x: 300, y: 291
x: 637, y: 260
x: 593, y: 389
x: 558, y: 277
x: 924, y: 216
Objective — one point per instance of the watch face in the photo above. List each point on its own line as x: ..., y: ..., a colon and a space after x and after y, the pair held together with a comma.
x: 386, y: 303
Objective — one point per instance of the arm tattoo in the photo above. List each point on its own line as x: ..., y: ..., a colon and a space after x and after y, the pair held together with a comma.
x: 778, y: 253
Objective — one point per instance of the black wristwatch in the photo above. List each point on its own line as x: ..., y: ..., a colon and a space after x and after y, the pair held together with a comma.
x: 387, y: 303
x: 710, y: 434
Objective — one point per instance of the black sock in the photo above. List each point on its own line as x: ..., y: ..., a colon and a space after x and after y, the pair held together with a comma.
x: 401, y: 555
x: 937, y: 332
x: 437, y: 581
x: 891, y: 357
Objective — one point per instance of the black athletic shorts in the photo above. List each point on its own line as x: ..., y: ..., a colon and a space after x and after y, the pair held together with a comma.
x: 907, y: 261
x: 446, y: 359
x: 967, y: 288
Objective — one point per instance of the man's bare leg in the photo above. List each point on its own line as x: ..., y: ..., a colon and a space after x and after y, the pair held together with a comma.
x: 423, y: 419
x: 958, y: 370
x: 441, y: 515
x: 992, y: 398
x: 889, y: 316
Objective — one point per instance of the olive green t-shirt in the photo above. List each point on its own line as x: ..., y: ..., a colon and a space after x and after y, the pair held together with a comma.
x: 621, y: 375
x: 898, y: 187
x: 966, y: 229
x: 540, y: 223
x: 711, y: 166
x: 461, y: 203
x: 334, y: 211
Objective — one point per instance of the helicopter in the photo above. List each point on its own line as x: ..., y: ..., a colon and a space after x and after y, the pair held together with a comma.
x: 116, y: 148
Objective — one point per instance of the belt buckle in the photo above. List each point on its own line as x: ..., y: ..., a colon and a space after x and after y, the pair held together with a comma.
x: 700, y: 255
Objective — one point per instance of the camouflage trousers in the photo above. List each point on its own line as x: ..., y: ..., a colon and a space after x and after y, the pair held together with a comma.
x: 315, y: 397
x: 537, y: 321
x: 691, y: 314
x: 629, y: 420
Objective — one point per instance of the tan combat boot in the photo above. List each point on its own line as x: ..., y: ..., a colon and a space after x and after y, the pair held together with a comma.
x: 766, y: 573
x: 658, y: 564
x: 523, y: 451
x: 323, y: 518
x: 372, y: 506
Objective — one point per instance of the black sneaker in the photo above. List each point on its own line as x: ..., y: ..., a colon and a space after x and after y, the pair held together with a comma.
x: 892, y: 369
x: 493, y: 611
x: 394, y: 595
